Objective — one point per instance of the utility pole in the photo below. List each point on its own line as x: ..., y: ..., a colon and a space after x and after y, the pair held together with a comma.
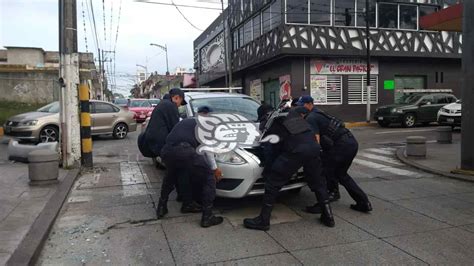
x: 467, y: 141
x: 224, y: 30
x: 69, y: 79
x: 101, y: 80
x: 367, y: 33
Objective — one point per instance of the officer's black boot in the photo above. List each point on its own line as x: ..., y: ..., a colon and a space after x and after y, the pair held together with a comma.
x: 261, y: 222
x: 334, y: 195
x: 326, y: 215
x: 191, y: 207
x: 208, y: 219
x: 162, y: 209
x: 362, y: 206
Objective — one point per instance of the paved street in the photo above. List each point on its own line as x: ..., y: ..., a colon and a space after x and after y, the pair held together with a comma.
x: 418, y: 218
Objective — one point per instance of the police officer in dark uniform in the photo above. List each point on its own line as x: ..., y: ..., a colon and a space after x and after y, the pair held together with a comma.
x: 339, y: 150
x: 182, y: 161
x: 163, y: 118
x: 295, y: 149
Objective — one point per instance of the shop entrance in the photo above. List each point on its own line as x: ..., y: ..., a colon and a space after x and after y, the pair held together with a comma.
x: 404, y: 83
x: 271, y: 91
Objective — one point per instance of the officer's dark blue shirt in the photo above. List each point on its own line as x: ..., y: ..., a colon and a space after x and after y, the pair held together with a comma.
x: 184, y: 131
x: 164, y: 117
x: 318, y: 122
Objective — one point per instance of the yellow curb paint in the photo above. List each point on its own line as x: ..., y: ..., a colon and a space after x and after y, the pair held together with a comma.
x: 359, y: 124
x: 85, y: 119
x: 1, y: 131
x: 83, y: 92
x: 87, y: 145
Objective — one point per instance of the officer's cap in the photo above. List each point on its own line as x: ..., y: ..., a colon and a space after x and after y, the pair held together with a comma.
x: 305, y: 99
x: 179, y: 92
x: 204, y: 109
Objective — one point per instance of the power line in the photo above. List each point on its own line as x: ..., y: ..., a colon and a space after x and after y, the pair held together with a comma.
x: 179, y: 5
x: 185, y: 18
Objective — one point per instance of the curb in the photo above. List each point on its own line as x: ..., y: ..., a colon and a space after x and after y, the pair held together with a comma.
x: 401, y: 156
x: 30, y: 247
x: 360, y: 124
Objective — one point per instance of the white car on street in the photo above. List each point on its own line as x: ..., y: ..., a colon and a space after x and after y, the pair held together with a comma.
x: 242, y: 168
x: 450, y: 115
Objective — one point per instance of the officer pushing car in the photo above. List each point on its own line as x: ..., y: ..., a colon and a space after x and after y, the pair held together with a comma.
x: 296, y: 148
x: 184, y: 163
x: 339, y: 150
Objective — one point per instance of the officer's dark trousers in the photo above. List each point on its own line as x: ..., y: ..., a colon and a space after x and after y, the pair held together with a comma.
x: 287, y: 164
x: 187, y: 167
x: 338, y: 162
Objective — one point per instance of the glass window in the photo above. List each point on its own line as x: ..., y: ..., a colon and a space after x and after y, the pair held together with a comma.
x: 50, y: 108
x: 326, y: 89
x: 266, y: 20
x: 243, y: 106
x: 426, y: 10
x: 137, y: 103
x: 388, y: 16
x: 320, y: 12
x: 248, y: 32
x: 408, y: 17
x: 297, y: 11
x: 441, y: 99
x: 357, y: 92
x: 256, y: 26
x: 428, y: 99
x: 344, y: 13
x: 361, y: 4
x: 100, y: 108
x: 235, y: 40
x: 275, y: 10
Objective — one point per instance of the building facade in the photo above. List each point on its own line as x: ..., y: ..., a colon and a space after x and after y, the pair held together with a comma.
x: 282, y: 48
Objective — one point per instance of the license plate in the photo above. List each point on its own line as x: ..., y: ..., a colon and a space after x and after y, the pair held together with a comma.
x: 380, y: 118
x: 8, y: 129
x: 450, y: 120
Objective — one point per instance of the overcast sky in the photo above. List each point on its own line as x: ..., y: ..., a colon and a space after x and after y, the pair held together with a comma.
x: 34, y: 23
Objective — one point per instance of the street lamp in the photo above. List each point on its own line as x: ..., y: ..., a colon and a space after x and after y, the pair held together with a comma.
x: 164, y: 48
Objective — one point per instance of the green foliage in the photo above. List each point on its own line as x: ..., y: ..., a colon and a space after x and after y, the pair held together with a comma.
x: 8, y: 109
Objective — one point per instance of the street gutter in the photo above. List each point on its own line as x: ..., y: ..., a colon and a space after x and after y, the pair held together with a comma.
x: 29, y: 249
x: 401, y: 156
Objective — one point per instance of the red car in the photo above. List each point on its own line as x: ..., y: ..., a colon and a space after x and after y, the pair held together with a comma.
x: 142, y: 108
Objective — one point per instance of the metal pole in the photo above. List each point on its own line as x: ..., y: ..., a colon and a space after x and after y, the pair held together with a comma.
x: 467, y: 147
x: 69, y: 75
x: 367, y: 32
x: 225, y: 45
x: 167, y: 68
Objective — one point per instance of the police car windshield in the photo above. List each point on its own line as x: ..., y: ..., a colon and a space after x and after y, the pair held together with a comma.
x: 246, y: 107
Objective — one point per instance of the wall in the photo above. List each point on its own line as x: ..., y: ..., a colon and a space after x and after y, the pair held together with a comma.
x: 29, y: 87
x: 31, y: 57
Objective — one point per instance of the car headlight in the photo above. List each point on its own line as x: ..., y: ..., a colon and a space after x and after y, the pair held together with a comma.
x: 230, y: 158
x: 396, y: 110
x: 28, y: 123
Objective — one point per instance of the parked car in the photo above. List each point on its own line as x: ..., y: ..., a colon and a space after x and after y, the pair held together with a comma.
x: 142, y: 108
x: 413, y: 109
x: 43, y: 124
x: 450, y: 115
x: 122, y: 102
x: 242, y: 167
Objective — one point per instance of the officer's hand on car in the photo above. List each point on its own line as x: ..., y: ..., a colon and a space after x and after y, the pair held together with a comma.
x: 217, y: 175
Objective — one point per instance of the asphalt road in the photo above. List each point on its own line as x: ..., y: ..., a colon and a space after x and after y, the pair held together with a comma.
x: 418, y: 218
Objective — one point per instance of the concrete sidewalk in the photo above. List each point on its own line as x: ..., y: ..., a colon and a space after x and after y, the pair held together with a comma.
x: 441, y: 159
x: 20, y: 203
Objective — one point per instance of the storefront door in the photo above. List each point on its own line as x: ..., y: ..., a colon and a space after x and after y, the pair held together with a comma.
x: 272, y: 92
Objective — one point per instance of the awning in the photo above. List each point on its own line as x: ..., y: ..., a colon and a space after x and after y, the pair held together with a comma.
x: 448, y: 19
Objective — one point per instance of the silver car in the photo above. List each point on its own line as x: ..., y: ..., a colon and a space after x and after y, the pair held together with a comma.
x: 242, y: 168
x: 43, y: 124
